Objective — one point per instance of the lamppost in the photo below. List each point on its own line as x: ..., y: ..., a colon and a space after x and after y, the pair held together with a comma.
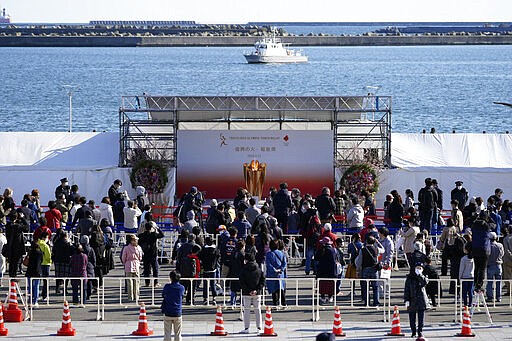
x: 70, y: 90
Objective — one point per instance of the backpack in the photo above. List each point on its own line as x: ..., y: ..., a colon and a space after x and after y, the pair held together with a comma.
x: 228, y: 251
x: 258, y: 222
x: 188, y: 267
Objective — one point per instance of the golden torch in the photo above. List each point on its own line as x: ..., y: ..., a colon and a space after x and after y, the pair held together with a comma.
x: 254, y: 175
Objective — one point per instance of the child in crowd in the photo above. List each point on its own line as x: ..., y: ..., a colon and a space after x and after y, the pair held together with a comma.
x: 433, y: 285
x: 466, y: 273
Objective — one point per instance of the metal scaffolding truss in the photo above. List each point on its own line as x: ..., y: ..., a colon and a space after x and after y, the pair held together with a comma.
x: 361, y: 125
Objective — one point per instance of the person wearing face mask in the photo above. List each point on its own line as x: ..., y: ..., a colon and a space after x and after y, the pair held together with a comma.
x: 460, y: 194
x: 415, y: 298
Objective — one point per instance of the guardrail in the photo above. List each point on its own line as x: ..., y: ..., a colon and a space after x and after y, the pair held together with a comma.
x: 300, y: 293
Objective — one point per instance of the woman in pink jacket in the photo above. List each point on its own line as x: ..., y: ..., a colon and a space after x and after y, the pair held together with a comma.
x: 131, y: 258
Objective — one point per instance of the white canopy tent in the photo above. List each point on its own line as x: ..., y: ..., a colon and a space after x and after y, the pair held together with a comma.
x: 482, y: 161
x: 31, y: 160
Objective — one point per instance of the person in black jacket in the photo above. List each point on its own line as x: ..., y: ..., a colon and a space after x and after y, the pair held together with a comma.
x: 252, y: 282
x: 282, y: 203
x: 34, y: 270
x: 15, y: 241
x: 114, y: 190
x: 325, y: 205
x: 237, y: 262
x: 415, y: 298
x: 209, y: 257
x: 148, y: 242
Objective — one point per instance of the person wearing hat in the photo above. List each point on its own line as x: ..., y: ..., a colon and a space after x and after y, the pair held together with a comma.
x: 326, y: 232
x: 494, y: 268
x: 192, y: 201
x: 460, y: 194
x: 325, y: 257
x: 415, y: 298
x: 131, y: 258
x: 63, y: 188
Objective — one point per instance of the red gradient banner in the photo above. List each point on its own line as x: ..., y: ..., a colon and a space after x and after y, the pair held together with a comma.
x: 213, y: 160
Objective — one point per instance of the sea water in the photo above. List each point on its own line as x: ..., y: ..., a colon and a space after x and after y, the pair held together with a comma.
x: 445, y: 87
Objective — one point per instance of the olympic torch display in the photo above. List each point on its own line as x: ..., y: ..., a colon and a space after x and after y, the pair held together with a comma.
x: 254, y: 175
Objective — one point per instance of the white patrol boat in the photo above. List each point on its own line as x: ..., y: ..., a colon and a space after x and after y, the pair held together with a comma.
x: 272, y: 50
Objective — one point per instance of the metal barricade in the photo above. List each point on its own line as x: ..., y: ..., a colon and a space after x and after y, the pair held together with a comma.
x: 27, y: 289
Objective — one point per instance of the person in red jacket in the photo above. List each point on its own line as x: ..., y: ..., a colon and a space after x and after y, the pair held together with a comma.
x: 327, y: 232
x: 42, y: 228
x: 53, y: 216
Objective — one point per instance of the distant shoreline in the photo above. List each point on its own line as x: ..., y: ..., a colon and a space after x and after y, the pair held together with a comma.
x: 247, y: 41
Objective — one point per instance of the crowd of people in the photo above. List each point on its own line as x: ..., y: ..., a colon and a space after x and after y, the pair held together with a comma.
x: 76, y: 237
x: 247, y: 243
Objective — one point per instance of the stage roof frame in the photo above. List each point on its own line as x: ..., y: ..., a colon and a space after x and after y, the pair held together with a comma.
x: 361, y: 125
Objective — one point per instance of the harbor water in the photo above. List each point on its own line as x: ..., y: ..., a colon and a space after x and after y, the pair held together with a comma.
x: 446, y: 87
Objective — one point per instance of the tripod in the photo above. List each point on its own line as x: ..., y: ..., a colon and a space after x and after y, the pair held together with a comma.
x: 479, y: 296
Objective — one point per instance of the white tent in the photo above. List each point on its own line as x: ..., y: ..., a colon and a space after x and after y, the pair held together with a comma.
x: 31, y: 160
x: 482, y: 161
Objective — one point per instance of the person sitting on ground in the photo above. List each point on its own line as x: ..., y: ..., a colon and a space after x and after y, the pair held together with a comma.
x: 172, y: 296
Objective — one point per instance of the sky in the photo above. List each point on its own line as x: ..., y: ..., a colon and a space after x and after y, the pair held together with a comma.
x: 243, y: 11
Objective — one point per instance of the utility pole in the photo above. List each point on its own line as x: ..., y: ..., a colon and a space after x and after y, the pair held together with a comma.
x: 70, y: 90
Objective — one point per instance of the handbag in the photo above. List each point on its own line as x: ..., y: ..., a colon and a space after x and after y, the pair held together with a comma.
x: 351, y: 271
x: 26, y: 260
x: 339, y: 269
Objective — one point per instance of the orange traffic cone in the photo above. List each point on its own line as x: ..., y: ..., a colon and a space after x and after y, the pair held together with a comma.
x: 466, y: 325
x: 13, y: 313
x: 337, y: 329
x: 219, y: 324
x: 269, y: 325
x: 143, y: 329
x: 396, y: 330
x: 3, y: 330
x: 66, y: 329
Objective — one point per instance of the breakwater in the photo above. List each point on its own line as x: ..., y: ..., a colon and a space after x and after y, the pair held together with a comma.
x: 183, y: 41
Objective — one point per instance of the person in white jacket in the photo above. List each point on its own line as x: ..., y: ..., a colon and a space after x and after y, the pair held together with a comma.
x: 355, y: 215
x: 131, y: 212
x: 106, y: 211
